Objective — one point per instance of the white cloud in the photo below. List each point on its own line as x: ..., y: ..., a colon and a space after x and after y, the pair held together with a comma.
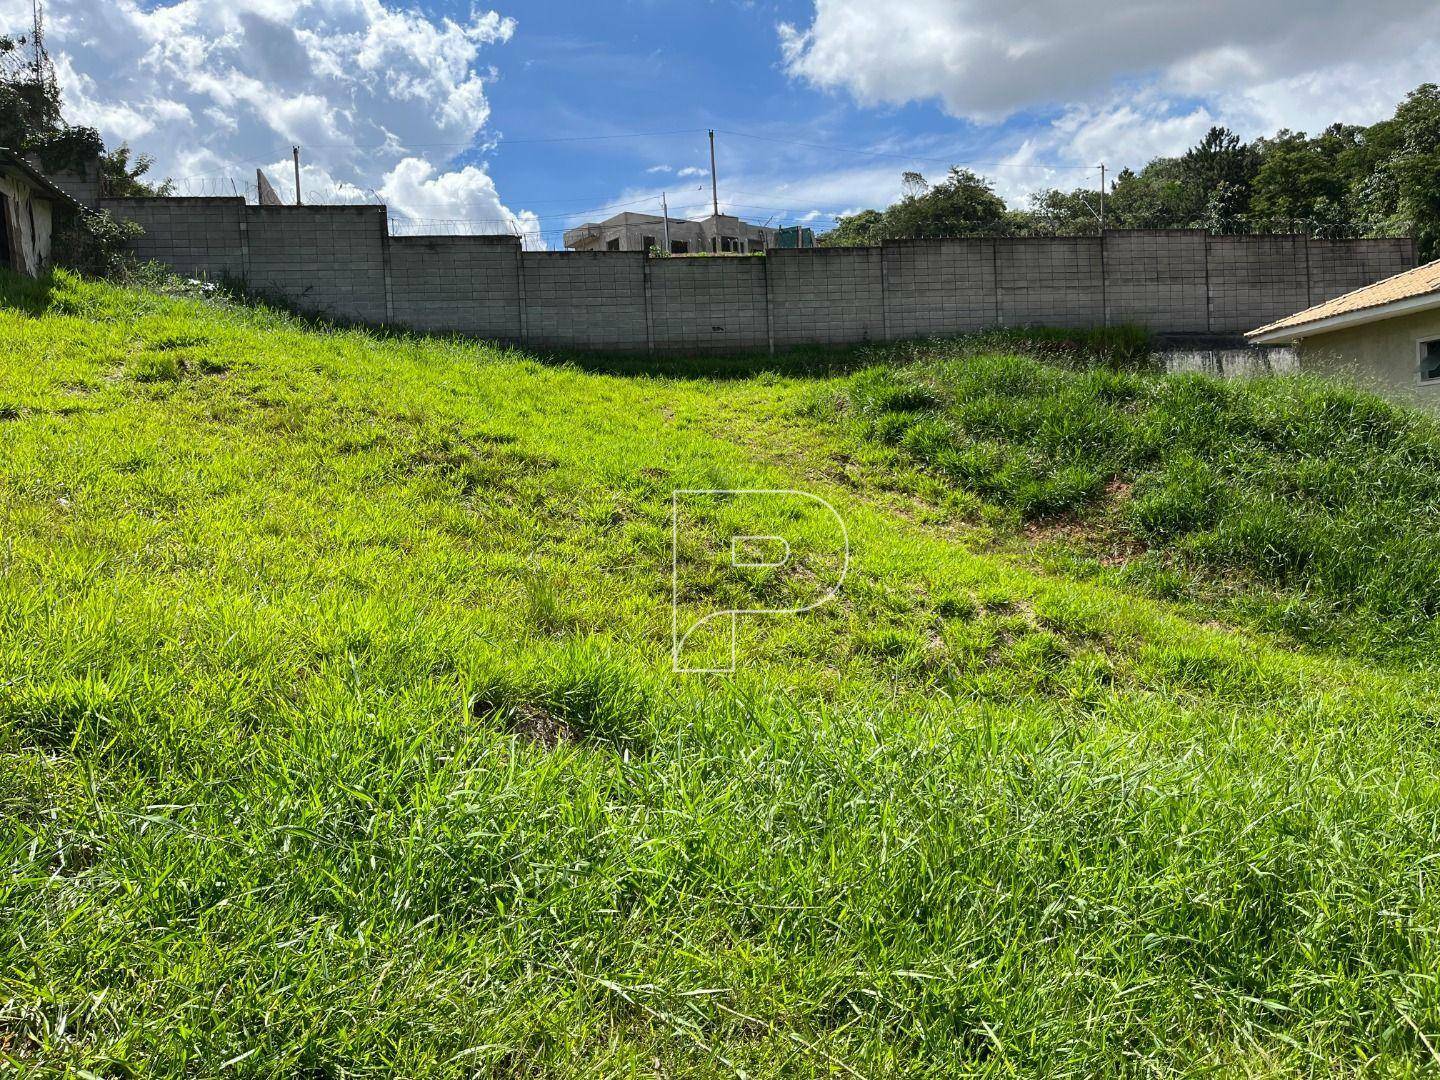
x: 1128, y: 79
x: 379, y: 97
x: 442, y: 202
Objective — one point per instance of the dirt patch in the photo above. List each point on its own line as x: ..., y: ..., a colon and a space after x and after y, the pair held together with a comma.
x: 1103, y: 539
x: 534, y: 723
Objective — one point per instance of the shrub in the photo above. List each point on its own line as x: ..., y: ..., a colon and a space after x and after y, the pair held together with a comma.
x: 93, y: 243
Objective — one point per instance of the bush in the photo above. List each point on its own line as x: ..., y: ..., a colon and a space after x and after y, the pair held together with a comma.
x: 93, y: 243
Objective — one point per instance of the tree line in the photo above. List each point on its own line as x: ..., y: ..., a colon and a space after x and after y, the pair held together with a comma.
x: 1350, y: 180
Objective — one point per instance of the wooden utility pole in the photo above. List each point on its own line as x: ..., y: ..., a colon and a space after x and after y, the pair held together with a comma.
x: 714, y: 198
x: 296, y: 151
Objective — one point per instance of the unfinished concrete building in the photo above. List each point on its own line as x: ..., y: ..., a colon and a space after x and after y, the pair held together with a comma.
x: 723, y: 235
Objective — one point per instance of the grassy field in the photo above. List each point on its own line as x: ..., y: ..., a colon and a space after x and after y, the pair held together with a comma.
x: 339, y: 736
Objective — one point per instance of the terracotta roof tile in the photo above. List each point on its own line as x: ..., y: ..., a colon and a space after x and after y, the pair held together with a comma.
x: 1418, y: 282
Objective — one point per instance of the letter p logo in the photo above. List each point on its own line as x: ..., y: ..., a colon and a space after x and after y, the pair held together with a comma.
x: 747, y: 552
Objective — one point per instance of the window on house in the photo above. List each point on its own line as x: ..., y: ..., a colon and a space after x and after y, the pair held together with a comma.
x: 649, y: 243
x: 612, y: 245
x: 1430, y: 361
x: 679, y: 247
x: 756, y: 245
x: 730, y: 244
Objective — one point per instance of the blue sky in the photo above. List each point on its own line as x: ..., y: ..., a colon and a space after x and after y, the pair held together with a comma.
x: 485, y: 117
x: 578, y: 70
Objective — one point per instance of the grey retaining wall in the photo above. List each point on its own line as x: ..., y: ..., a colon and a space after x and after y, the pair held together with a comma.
x: 341, y: 261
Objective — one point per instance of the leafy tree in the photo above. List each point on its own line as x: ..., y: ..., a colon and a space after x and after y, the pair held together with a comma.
x: 963, y: 204
x: 1416, y: 167
x: 1060, y: 213
x: 31, y: 123
x: 1215, y: 177
x: 864, y: 229
x: 1296, y: 177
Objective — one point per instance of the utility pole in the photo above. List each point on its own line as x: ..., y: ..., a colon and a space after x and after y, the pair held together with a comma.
x: 1102, y: 197
x: 296, y: 151
x: 665, y: 209
x: 714, y: 198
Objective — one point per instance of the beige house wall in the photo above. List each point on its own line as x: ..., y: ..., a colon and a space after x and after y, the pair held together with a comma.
x: 1381, y: 356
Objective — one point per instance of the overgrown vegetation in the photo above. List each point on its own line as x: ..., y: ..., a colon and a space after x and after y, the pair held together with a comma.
x: 338, y: 734
x: 1329, y: 495
x: 1349, y: 180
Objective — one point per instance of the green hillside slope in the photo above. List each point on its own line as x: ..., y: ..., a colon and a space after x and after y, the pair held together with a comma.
x: 338, y: 736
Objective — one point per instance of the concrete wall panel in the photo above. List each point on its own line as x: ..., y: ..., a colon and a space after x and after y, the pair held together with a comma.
x: 1050, y: 282
x: 1255, y: 280
x: 938, y: 288
x: 1157, y: 279
x: 1341, y: 266
x: 457, y: 284
x: 826, y: 296
x: 585, y: 300
x: 324, y: 259
x: 708, y: 304
x: 199, y: 238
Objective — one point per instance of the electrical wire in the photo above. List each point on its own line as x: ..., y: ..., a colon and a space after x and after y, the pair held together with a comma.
x: 909, y: 157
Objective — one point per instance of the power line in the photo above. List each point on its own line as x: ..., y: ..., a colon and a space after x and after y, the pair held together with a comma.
x: 910, y: 157
x: 505, y: 139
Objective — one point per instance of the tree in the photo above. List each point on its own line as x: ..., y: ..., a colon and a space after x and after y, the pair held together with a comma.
x: 1298, y: 179
x: 1217, y: 173
x: 1060, y: 213
x: 963, y: 204
x: 31, y: 122
x: 865, y: 229
x: 1349, y: 180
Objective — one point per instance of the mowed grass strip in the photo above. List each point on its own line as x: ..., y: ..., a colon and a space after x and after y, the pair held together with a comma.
x: 339, y: 737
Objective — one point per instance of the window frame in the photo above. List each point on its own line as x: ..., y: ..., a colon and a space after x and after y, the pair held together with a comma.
x: 1420, y: 356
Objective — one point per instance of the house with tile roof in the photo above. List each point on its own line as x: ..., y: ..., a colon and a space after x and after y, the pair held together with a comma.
x: 1385, y: 336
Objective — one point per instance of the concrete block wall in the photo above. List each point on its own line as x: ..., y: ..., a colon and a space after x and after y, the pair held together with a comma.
x: 585, y: 300
x: 1340, y: 266
x: 826, y: 296
x: 937, y: 288
x: 457, y: 284
x: 699, y: 305
x: 1157, y: 279
x: 340, y: 261
x: 202, y: 238
x: 1050, y: 282
x: 1255, y: 280
x: 325, y: 259
x: 81, y: 182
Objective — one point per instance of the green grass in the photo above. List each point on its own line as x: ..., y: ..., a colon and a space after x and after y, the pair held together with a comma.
x: 338, y: 737
x: 1311, y: 508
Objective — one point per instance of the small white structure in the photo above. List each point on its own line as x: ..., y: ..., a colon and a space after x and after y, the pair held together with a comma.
x: 28, y: 202
x: 1385, y: 337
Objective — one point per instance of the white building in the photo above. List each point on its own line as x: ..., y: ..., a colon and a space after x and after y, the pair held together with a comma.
x: 28, y: 202
x: 724, y: 235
